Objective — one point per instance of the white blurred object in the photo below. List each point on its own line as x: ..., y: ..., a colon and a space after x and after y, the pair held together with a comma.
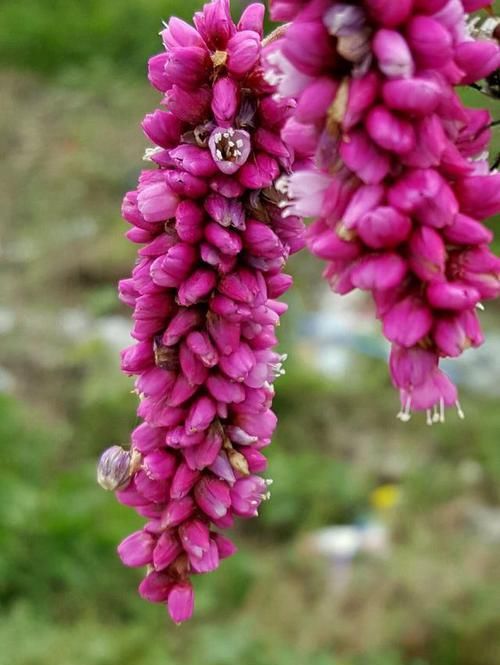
x: 341, y: 544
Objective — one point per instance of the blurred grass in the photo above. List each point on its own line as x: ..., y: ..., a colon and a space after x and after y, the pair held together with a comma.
x: 72, y: 98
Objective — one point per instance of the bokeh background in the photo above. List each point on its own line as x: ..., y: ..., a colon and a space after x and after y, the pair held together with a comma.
x: 380, y: 545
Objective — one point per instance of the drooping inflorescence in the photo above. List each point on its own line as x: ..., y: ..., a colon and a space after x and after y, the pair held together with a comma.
x: 204, y: 292
x: 400, y: 183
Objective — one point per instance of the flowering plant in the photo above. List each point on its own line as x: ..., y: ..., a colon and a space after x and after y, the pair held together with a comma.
x: 349, y: 115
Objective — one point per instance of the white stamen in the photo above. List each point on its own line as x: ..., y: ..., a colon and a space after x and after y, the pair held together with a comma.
x: 429, y: 417
x: 435, y: 417
x: 218, y: 137
x: 405, y: 414
x: 460, y: 413
x: 218, y: 154
x: 268, y: 481
x: 441, y: 410
x: 226, y: 135
x: 480, y: 306
x: 239, y: 143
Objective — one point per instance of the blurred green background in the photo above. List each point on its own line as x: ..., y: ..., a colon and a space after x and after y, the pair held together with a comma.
x: 73, y: 93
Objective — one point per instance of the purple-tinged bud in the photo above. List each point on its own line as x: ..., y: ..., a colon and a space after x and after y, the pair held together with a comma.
x: 214, y: 24
x: 208, y: 561
x: 226, y: 186
x: 246, y: 286
x: 316, y: 99
x: 452, y: 295
x: 407, y: 322
x: 324, y: 243
x: 185, y: 184
x: 188, y: 66
x: 137, y: 549
x: 177, y: 511
x: 189, y: 106
x: 427, y: 254
x: 156, y: 72
x: 252, y: 18
x: 194, y: 160
x: 389, y: 131
x: 237, y: 365
x: 212, y: 496
x: 146, y: 438
x: 308, y: 47
x: 127, y: 293
x: 247, y: 494
x: 197, y: 287
x: 225, y: 102
x: 378, y: 271
x: 431, y: 144
x: 383, y: 227
x: 189, y: 221
x: 425, y: 194
x: 226, y: 241
x: 203, y: 455
x: 181, y: 602
x: 429, y: 41
x: 393, y: 55
x: 225, y: 334
x: 224, y: 211
x: 225, y: 546
x: 477, y: 59
x: 221, y: 467
x: 411, y: 367
x: 278, y: 284
x: 363, y: 157
x: 260, y: 239
x: 116, y: 466
x: 200, y: 344
x: 479, y: 196
x: 162, y: 128
x: 159, y: 465
x: 181, y: 324
x: 302, y: 138
x: 155, y: 587
x: 137, y: 358
x: 195, y: 537
x: 243, y: 52
x: 172, y: 268
x: 157, y: 202
x: 192, y: 367
x: 182, y: 390
x: 455, y: 334
x: 166, y: 551
x: 201, y: 415
x: 260, y: 172
x: 419, y: 96
x: 467, y: 231
x: 389, y: 13
x: 183, y: 481
x: 362, y: 94
x: 224, y: 390
x: 180, y: 33
x: 179, y: 438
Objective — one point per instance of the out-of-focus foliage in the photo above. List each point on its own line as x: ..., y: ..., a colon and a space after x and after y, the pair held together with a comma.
x: 71, y: 147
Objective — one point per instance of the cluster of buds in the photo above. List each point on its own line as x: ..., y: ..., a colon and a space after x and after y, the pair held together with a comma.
x: 398, y: 181
x: 204, y: 293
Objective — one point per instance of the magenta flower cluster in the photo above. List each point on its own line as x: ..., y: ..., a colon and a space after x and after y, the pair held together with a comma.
x: 204, y: 293
x: 398, y: 181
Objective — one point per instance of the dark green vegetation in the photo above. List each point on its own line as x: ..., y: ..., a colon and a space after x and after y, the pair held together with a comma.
x: 71, y: 147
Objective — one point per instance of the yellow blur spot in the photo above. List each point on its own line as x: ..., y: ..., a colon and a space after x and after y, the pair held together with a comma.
x: 385, y: 496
